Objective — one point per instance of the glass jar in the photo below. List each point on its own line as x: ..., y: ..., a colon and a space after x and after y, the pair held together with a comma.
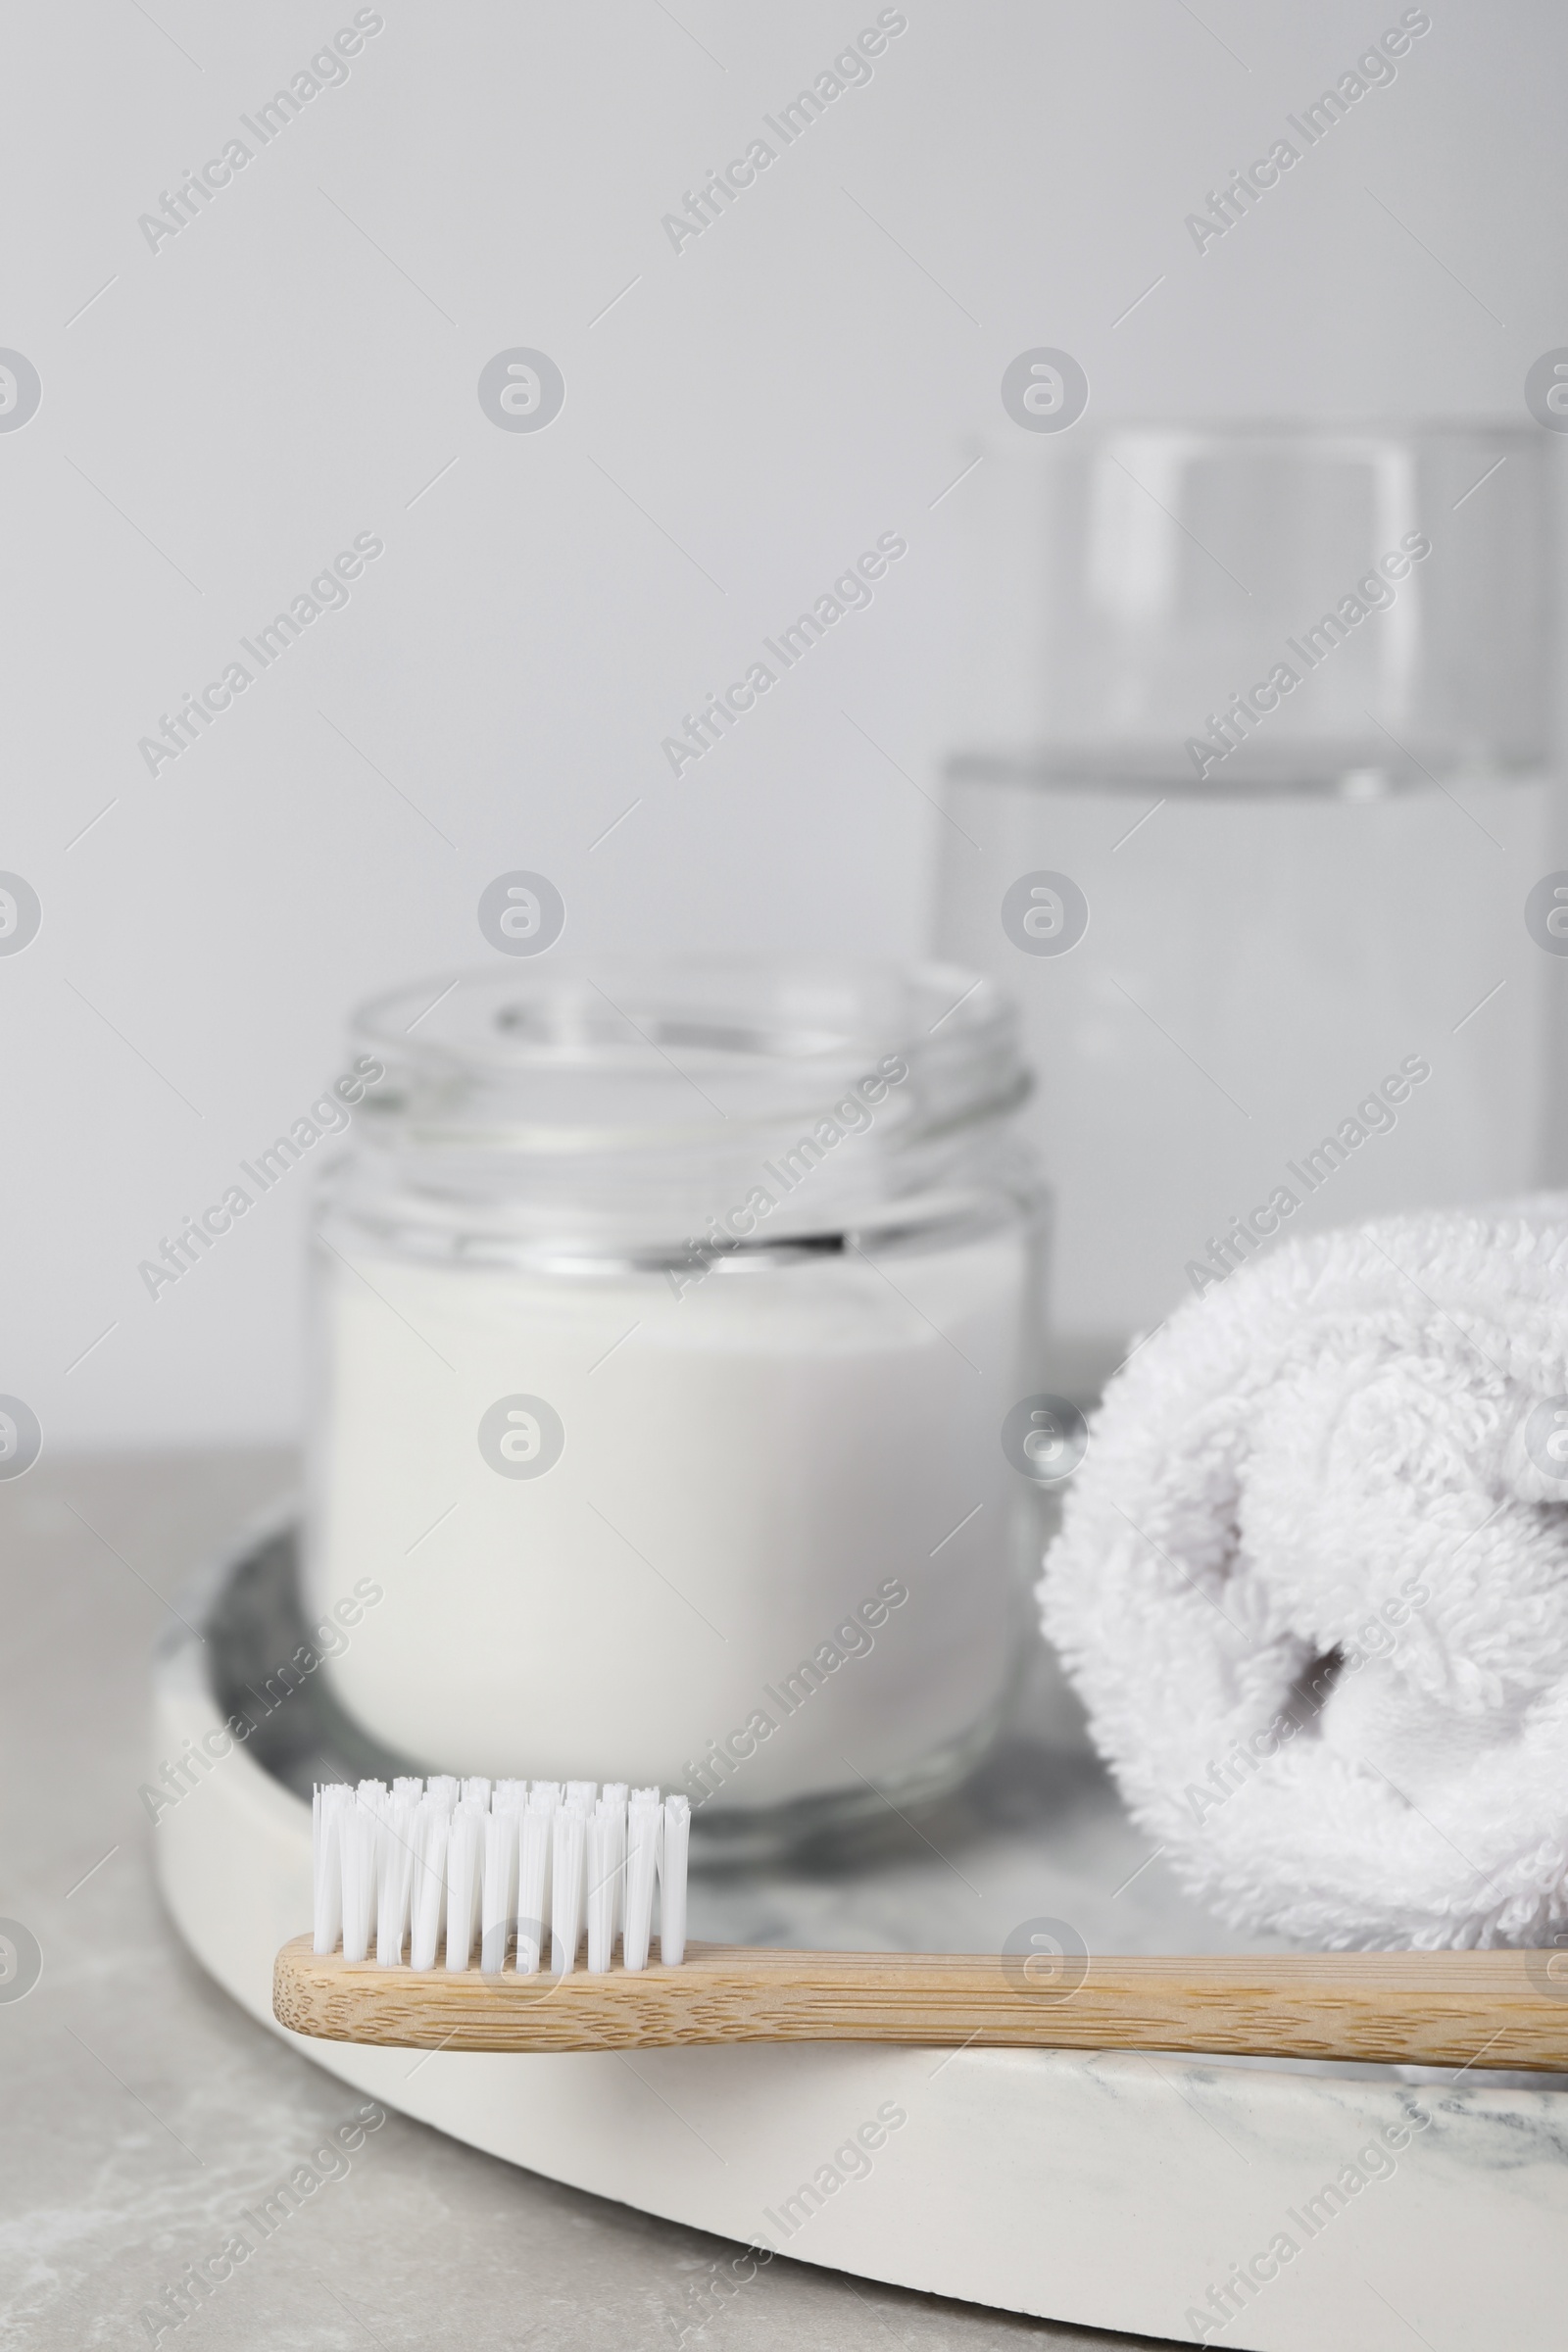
x: 668, y: 1324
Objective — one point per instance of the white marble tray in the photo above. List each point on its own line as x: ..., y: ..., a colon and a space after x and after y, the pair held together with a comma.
x: 1118, y: 2191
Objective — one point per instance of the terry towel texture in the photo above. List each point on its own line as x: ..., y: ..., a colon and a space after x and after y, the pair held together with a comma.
x: 1312, y: 1583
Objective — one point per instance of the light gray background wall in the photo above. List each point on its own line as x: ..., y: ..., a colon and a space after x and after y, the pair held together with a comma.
x: 299, y: 365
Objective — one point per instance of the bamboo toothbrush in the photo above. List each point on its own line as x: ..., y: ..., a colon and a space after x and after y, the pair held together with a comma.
x: 458, y: 1864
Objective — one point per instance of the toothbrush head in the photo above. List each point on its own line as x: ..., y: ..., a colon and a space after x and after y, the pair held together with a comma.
x: 425, y: 1869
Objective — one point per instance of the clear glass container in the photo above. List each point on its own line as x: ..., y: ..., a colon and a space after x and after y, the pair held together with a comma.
x: 1272, y: 700
x: 667, y: 1323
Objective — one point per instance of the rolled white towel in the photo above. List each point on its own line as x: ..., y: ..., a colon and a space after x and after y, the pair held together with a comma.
x: 1312, y: 1583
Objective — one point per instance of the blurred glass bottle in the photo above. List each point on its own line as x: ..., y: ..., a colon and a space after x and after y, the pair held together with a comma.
x: 1251, y: 796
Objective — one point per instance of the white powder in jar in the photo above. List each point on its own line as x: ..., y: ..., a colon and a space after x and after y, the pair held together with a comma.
x: 744, y: 1467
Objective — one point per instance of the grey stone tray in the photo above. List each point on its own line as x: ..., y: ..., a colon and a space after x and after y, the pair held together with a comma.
x: 1118, y: 2190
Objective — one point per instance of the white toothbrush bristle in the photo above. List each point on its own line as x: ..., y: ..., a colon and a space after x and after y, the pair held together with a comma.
x: 533, y: 1874
x: 428, y: 1868
x: 672, y: 1881
x: 327, y: 1863
x: 568, y: 1829
x: 394, y: 1877
x: 606, y: 1853
x: 428, y: 1905
x: 499, y: 1892
x: 644, y: 1824
x: 465, y: 1870
x: 357, y: 1843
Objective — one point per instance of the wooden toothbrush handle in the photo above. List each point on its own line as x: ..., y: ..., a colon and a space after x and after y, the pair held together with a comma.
x: 1503, y: 2008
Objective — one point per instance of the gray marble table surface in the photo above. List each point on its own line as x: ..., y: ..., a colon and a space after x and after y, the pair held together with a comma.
x: 142, y: 2108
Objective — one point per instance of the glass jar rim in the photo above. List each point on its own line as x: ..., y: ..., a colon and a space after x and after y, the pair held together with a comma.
x: 677, y: 1052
